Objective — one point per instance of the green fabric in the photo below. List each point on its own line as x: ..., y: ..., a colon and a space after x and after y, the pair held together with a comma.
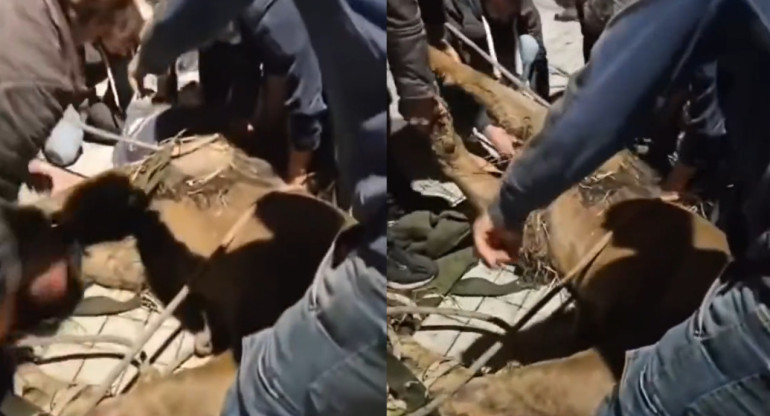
x: 103, y: 305
x: 404, y: 385
x: 450, y: 269
x: 16, y: 406
x: 431, y: 235
x: 448, y: 282
x: 476, y: 286
x: 438, y: 237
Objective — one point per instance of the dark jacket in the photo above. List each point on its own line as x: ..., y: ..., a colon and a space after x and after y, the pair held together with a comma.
x: 611, y: 100
x: 411, y: 26
x: 525, y: 21
x: 273, y: 28
x: 358, y: 102
x: 467, y: 15
x: 40, y: 75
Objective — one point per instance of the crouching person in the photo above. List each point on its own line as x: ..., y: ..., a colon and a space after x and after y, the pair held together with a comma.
x: 259, y: 33
x: 41, y: 73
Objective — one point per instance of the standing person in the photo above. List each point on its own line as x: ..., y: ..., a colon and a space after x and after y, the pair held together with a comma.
x: 716, y: 362
x: 270, y: 34
x: 326, y: 354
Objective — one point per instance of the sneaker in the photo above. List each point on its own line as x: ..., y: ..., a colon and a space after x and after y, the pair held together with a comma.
x: 408, y: 271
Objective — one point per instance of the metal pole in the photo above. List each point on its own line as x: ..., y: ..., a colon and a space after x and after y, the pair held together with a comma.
x: 507, y: 74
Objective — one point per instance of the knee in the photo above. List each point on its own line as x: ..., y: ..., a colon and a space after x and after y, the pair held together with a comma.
x: 63, y: 145
x: 529, y: 49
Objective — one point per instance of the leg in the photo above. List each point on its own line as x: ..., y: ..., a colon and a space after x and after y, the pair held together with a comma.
x: 534, y: 65
x: 528, y: 49
x: 325, y: 355
x: 715, y: 363
x: 63, y: 145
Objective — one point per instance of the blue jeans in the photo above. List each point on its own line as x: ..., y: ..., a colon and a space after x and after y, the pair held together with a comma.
x: 324, y: 356
x: 529, y: 50
x: 63, y: 145
x: 717, y: 363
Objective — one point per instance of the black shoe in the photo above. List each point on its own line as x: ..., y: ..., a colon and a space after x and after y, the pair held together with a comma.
x: 407, y: 271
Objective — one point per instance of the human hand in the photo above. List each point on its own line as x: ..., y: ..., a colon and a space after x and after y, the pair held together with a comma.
x: 679, y: 178
x: 136, y: 75
x: 420, y: 113
x: 495, y: 246
x: 445, y: 47
x: 45, y: 177
x: 298, y: 177
x: 501, y: 140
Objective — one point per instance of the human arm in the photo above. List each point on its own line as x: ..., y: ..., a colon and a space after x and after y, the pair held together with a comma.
x: 29, y: 111
x: 604, y: 104
x: 287, y: 53
x: 528, y: 21
x: 408, y: 54
x: 180, y: 26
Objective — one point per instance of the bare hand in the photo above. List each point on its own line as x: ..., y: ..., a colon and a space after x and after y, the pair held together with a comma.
x: 45, y: 177
x: 501, y: 140
x: 449, y: 50
x: 421, y: 109
x: 679, y: 178
x: 496, y: 247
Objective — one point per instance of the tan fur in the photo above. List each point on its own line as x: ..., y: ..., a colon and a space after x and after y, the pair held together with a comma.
x: 199, y: 391
x: 517, y: 114
x: 652, y: 274
x: 645, y: 232
x: 266, y: 268
x: 547, y: 388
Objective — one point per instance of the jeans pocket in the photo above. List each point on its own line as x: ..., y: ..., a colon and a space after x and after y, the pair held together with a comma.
x: 634, y: 382
x: 748, y: 396
x: 315, y: 287
x: 763, y: 313
x: 277, y: 399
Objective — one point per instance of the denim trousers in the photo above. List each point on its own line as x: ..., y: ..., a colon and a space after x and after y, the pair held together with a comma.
x: 63, y: 145
x: 325, y: 355
x: 716, y: 363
